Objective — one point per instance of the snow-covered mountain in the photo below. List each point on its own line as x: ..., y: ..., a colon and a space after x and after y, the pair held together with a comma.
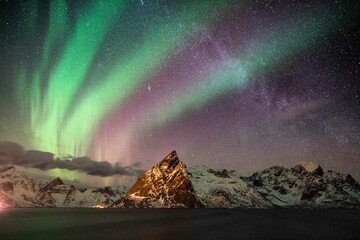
x: 215, y: 189
x: 166, y: 184
x: 170, y: 184
x: 18, y: 190
x: 306, y: 185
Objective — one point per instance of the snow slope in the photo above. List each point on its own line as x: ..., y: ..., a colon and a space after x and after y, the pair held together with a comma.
x: 16, y: 188
x: 306, y: 185
x: 224, y: 189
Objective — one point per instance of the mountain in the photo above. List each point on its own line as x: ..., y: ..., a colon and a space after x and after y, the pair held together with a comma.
x: 224, y: 189
x: 306, y: 185
x: 170, y: 184
x: 18, y: 190
x: 166, y: 184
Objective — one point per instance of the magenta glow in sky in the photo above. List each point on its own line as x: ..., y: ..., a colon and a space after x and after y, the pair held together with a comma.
x: 235, y: 84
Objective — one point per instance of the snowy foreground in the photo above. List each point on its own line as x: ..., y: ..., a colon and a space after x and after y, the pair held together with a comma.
x: 170, y: 184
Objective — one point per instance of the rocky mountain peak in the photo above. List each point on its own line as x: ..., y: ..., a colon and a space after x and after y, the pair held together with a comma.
x: 56, y: 182
x: 169, y: 163
x: 306, y: 185
x: 166, y: 184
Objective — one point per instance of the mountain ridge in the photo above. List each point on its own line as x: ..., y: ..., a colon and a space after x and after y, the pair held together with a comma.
x: 171, y: 184
x: 306, y: 185
x: 19, y: 190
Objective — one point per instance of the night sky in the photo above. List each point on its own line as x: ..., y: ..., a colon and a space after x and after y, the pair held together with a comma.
x: 240, y: 85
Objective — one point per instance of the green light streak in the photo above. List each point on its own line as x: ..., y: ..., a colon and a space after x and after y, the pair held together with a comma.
x: 56, y: 28
x: 129, y: 74
x: 35, y: 98
x: 21, y: 86
x: 70, y: 71
x: 32, y: 15
x: 274, y: 50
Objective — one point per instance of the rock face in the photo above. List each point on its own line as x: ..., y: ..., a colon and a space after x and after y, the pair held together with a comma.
x: 306, y: 185
x: 18, y: 190
x: 166, y: 184
x: 6, y: 202
x: 55, y: 194
x: 51, y: 185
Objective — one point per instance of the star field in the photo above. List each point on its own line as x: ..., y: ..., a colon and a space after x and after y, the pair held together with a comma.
x: 241, y: 85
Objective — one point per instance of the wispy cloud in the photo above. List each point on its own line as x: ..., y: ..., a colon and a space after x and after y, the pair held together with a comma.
x: 301, y: 109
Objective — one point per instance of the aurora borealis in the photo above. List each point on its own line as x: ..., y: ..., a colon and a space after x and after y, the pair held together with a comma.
x: 229, y: 84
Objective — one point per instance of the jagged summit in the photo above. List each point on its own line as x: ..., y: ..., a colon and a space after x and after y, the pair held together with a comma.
x: 169, y: 162
x: 309, y: 167
x: 166, y: 184
x: 306, y: 185
x: 56, y: 182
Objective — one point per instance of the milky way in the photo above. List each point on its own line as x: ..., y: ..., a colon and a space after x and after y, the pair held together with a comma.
x: 228, y: 84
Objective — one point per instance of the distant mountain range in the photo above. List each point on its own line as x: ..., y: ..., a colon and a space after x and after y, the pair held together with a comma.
x: 170, y: 184
x: 18, y: 190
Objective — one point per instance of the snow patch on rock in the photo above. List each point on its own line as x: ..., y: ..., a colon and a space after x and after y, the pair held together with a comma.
x: 224, y: 189
x: 165, y: 185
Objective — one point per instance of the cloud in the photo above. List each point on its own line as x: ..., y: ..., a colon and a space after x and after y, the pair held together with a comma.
x: 301, y: 109
x: 13, y: 153
x: 10, y: 150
